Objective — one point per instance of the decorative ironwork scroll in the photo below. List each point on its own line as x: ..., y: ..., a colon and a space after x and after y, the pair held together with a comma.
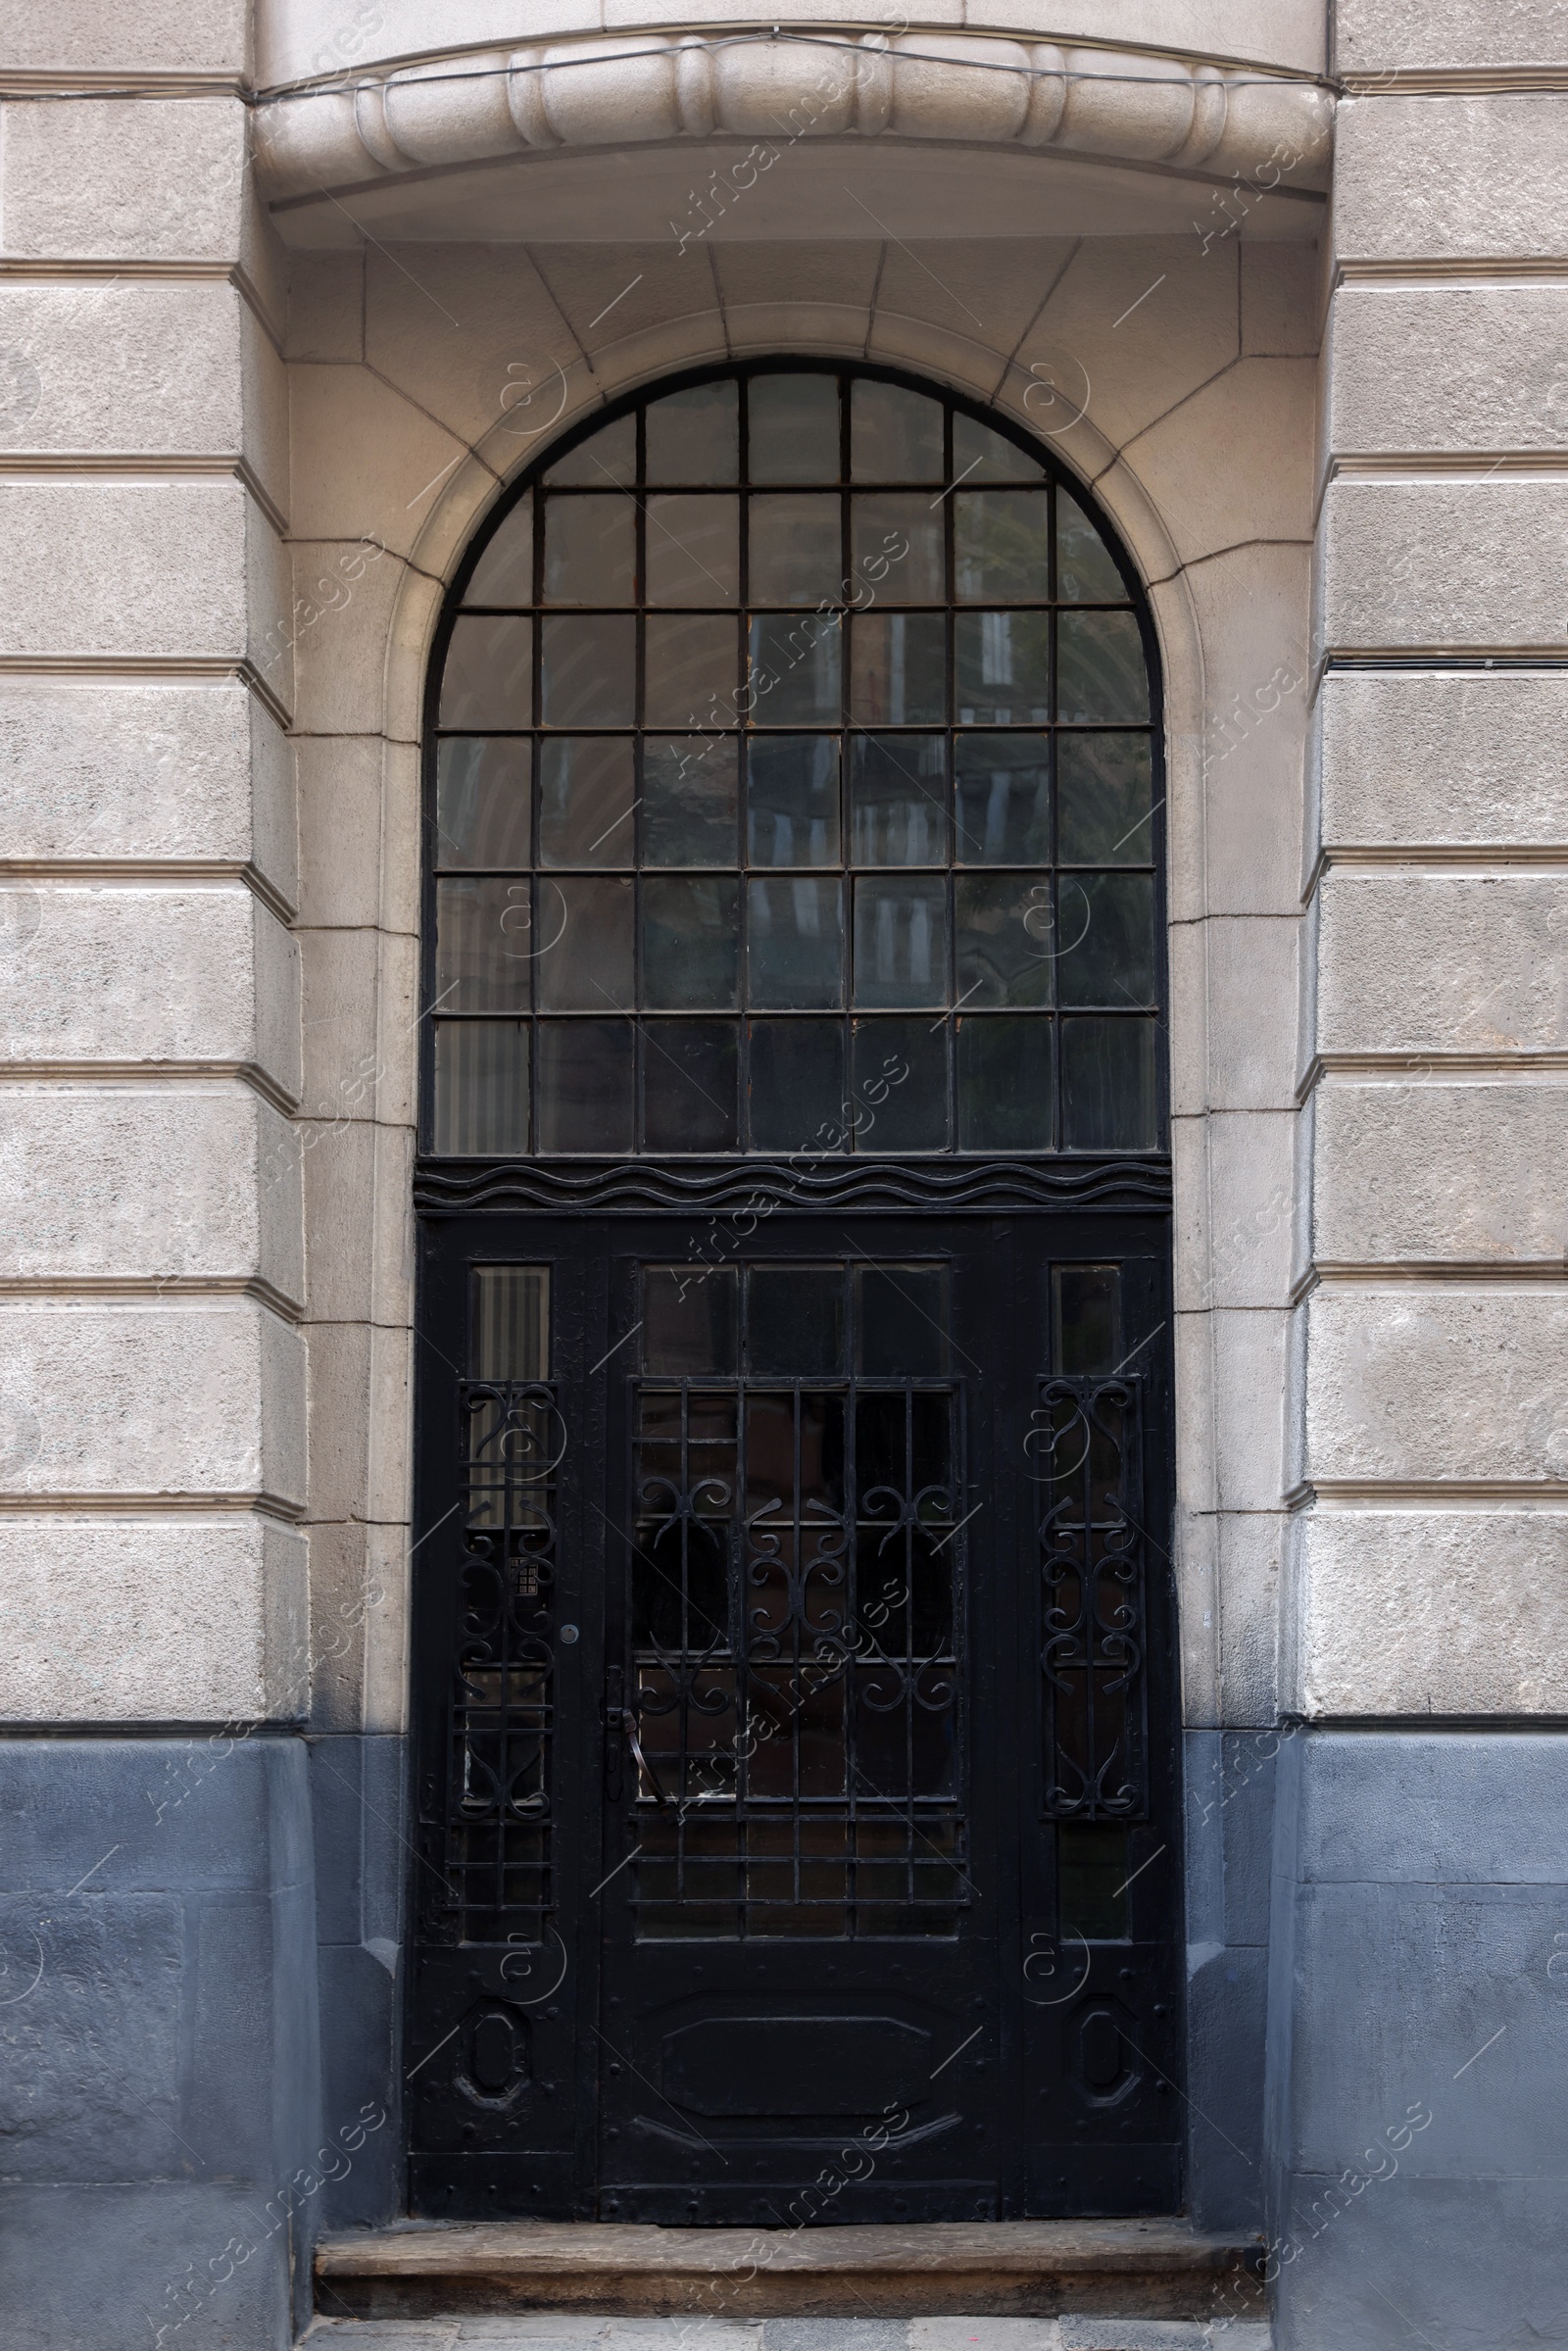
x: 1088, y: 1443
x: 501, y: 1718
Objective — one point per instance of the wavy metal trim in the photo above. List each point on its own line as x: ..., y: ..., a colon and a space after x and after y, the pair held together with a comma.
x: 756, y: 1189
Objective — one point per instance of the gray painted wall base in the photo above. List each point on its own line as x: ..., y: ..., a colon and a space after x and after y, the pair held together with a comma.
x: 1228, y: 1823
x: 1418, y: 2123
x: 159, y: 2092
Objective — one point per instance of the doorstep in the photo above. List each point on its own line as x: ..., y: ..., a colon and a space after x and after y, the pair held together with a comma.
x: 1000, y: 2269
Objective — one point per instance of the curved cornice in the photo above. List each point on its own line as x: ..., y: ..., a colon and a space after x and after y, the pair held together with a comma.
x: 1107, y: 105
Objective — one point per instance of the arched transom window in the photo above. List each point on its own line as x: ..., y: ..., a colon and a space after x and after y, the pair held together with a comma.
x: 794, y: 791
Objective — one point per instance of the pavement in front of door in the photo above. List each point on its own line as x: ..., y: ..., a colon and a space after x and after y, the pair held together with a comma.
x: 540, y: 2331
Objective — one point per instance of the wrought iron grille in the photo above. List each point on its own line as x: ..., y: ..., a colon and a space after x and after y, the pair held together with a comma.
x: 796, y: 1626
x: 1093, y: 1615
x: 498, y: 1885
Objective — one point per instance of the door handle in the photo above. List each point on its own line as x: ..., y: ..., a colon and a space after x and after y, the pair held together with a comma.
x: 628, y: 1725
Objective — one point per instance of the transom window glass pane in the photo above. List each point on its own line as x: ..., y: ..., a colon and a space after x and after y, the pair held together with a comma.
x: 794, y: 790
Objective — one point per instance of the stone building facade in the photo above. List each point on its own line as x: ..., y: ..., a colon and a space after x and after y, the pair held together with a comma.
x: 291, y: 298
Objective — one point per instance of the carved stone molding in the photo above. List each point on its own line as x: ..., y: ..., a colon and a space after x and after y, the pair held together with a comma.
x: 1112, y: 105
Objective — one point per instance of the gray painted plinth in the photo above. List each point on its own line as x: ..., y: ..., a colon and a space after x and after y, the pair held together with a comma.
x: 159, y: 2101
x: 1419, y: 2041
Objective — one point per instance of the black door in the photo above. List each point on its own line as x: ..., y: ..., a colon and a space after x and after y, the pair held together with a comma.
x: 795, y: 1761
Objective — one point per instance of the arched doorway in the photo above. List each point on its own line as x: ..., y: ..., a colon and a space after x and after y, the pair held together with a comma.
x: 793, y: 1683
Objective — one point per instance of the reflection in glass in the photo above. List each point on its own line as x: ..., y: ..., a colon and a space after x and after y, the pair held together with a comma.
x: 585, y: 801
x: 690, y: 1076
x: 795, y: 551
x: 694, y: 550
x: 895, y: 435
x: 689, y: 1321
x: 690, y: 670
x: 795, y: 943
x: 898, y: 799
x: 589, y: 670
x: 585, y: 1088
x: 797, y: 1081
x: 1101, y: 672
x: 794, y: 427
x: 1002, y: 663
x: 481, y: 1087
x: 792, y: 801
x: 899, y: 1077
x: 1001, y: 545
x: 1005, y: 1085
x: 898, y: 668
x: 1086, y: 1319
x: 606, y: 456
x: 690, y: 945
x: 584, y: 957
x: 795, y: 668
x: 482, y: 941
x: 794, y: 1321
x: 689, y: 794
x: 980, y: 455
x: 1107, y: 939
x: 1085, y: 572
x: 694, y: 436
x: 504, y: 574
x: 895, y: 548
x: 482, y: 806
x: 489, y: 678
x: 1107, y: 807
x: 901, y: 1315
x: 1107, y: 1085
x: 900, y: 940
x: 1003, y: 799
x: 1004, y: 939
x: 590, y: 548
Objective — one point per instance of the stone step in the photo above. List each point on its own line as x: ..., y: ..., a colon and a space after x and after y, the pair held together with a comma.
x: 1000, y: 2269
x: 565, y: 2331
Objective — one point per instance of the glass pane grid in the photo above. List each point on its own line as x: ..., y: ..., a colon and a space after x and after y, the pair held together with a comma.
x: 887, y: 883
x: 796, y: 1604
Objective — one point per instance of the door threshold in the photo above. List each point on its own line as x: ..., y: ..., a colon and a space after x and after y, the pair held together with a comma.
x: 963, y: 2268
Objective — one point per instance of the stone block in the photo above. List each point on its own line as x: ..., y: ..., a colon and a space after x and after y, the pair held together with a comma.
x: 1464, y: 1808
x: 1230, y: 1407
x: 173, y: 353
x: 359, y: 802
x: 1232, y: 462
x: 1428, y: 1172
x: 1226, y: 2004
x: 172, y: 568
x: 1434, y: 963
x: 360, y: 1390
x: 1478, y: 176
x: 191, y: 1622
x: 359, y: 1223
x: 1239, y: 1049
x: 1122, y: 365
x: 152, y: 1399
x: 125, y: 973
x: 150, y: 37
x: 364, y: 458
x: 1443, y: 563
x: 1281, y: 300
x: 987, y: 291
x: 1249, y: 1548
x: 1242, y: 855
x: 339, y: 644
x: 1440, y: 1385
x: 98, y: 179
x: 326, y: 306
x: 1412, y: 1612
x: 142, y: 1181
x: 512, y: 375
x: 1235, y: 1191
x: 1380, y: 36
x: 360, y: 1025
x: 1434, y: 757
x: 1449, y: 367
x: 137, y: 770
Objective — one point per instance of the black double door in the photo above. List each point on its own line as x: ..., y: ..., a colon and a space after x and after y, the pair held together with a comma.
x: 793, y: 1731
